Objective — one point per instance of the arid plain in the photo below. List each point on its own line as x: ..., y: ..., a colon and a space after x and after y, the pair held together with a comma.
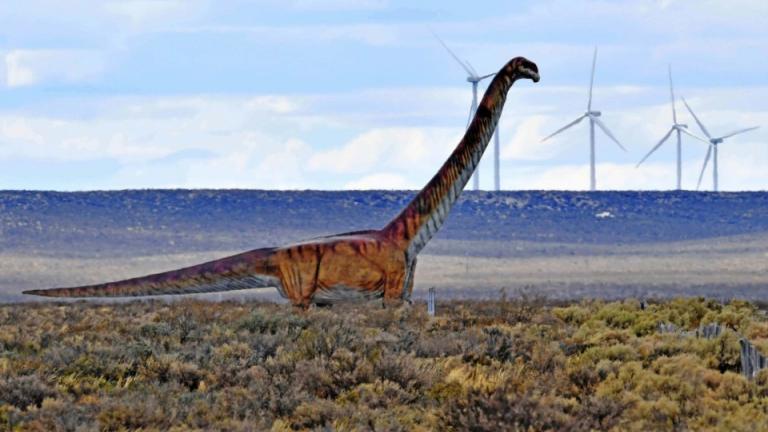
x: 562, y: 245
x: 527, y: 359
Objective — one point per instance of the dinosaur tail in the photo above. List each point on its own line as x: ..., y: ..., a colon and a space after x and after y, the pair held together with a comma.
x: 253, y: 269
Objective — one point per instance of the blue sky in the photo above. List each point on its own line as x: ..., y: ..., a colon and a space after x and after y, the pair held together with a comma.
x: 346, y: 94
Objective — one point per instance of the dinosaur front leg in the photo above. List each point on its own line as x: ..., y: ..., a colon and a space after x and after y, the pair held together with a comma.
x: 393, y: 289
x: 295, y: 293
x: 305, y: 294
x: 302, y: 300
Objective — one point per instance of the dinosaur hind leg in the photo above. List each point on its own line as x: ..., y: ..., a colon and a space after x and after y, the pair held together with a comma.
x: 410, y: 276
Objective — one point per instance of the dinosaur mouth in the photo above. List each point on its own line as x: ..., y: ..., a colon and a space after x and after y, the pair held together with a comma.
x: 534, y: 75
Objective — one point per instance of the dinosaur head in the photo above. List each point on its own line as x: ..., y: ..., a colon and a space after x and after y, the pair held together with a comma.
x: 521, y: 67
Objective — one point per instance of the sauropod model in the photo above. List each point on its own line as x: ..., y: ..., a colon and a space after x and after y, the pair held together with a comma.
x: 349, y: 266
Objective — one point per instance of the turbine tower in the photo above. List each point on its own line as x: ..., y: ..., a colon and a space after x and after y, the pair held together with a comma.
x: 680, y: 129
x: 594, y: 119
x: 474, y: 78
x: 713, y: 143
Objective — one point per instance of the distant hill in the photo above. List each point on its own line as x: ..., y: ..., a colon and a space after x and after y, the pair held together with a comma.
x: 141, y: 222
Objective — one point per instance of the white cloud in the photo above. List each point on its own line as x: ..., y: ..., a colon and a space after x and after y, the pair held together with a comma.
x: 335, y: 5
x: 135, y: 130
x: 19, y: 129
x: 254, y: 164
x: 274, y: 103
x: 290, y: 141
x: 741, y: 166
x: 739, y: 170
x: 382, y: 181
x: 370, y: 34
x: 525, y: 143
x: 31, y: 67
x: 140, y: 12
x: 401, y: 135
x: 284, y: 168
x: 391, y: 148
x: 609, y: 176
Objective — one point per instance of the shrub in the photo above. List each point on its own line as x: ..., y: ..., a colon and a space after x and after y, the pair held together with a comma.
x: 493, y: 365
x: 501, y: 408
x: 24, y: 391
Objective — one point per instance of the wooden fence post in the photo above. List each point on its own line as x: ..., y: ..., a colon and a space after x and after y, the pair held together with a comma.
x: 710, y: 331
x: 665, y: 327
x: 751, y: 359
x: 431, y: 302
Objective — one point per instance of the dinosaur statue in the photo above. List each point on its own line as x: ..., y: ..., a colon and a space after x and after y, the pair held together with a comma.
x: 349, y: 266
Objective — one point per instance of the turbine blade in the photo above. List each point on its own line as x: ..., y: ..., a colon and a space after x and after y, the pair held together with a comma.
x: 592, y: 80
x: 564, y: 127
x: 455, y: 57
x: 672, y: 96
x: 486, y: 76
x: 704, y: 167
x: 656, y: 147
x: 472, y: 68
x: 701, y: 125
x: 738, y: 132
x: 692, y: 135
x: 607, y: 132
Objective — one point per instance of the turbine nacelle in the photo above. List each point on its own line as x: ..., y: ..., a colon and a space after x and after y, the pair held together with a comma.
x: 713, y: 145
x: 594, y: 120
x: 474, y: 78
x: 680, y: 128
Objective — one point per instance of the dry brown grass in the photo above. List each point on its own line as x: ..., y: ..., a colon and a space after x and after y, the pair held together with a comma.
x: 492, y: 365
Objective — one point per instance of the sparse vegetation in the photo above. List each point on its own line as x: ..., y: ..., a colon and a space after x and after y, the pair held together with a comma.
x: 151, y: 222
x: 495, y: 365
x: 659, y: 244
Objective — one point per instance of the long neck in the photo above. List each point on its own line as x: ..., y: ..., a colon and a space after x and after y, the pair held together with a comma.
x: 425, y: 214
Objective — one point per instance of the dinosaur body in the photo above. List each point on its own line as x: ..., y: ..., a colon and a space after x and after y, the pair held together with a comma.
x: 349, y: 266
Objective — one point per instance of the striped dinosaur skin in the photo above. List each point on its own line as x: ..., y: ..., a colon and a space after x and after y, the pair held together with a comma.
x: 348, y: 266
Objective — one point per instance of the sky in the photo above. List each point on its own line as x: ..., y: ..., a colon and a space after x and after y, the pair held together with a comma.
x: 348, y: 94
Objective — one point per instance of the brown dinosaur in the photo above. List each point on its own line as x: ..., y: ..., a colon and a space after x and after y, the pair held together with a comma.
x: 355, y: 265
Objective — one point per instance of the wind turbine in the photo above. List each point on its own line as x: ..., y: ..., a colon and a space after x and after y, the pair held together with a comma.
x: 474, y: 78
x: 594, y: 119
x: 713, y: 143
x: 679, y: 128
